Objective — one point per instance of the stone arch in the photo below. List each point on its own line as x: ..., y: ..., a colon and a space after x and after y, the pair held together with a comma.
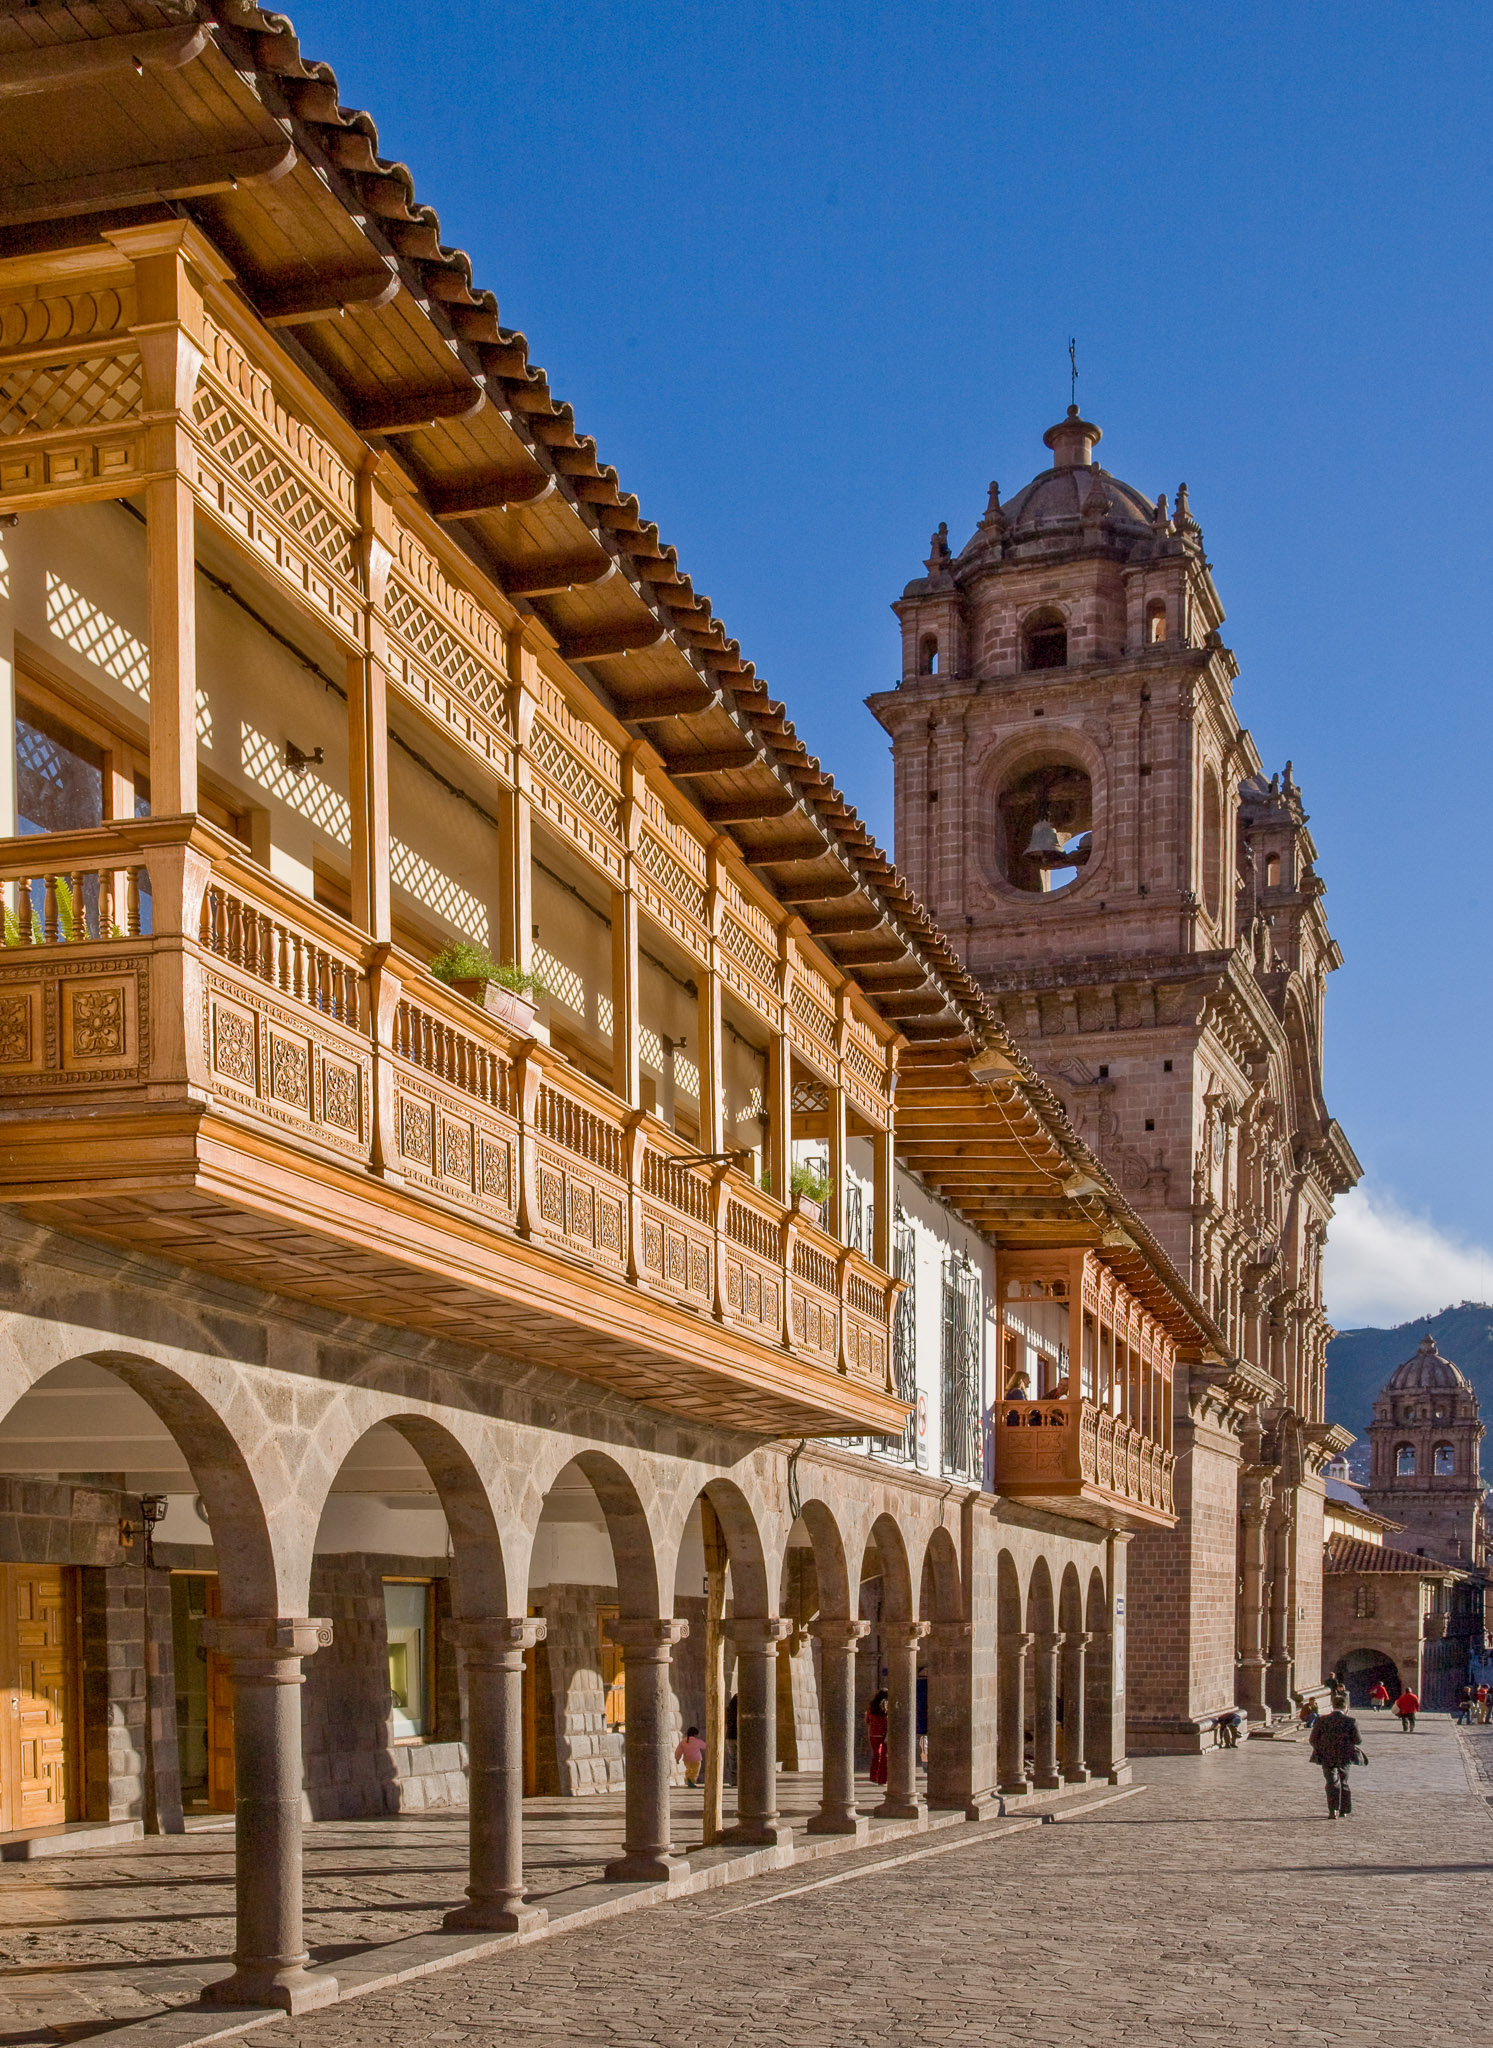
x: 479, y: 1578
x: 940, y: 1595
x: 1361, y: 1669
x: 1070, y: 1602
x: 634, y: 1550
x: 830, y: 1564
x: 1008, y: 1604
x: 1041, y: 1608
x: 1096, y: 1608
x: 896, y: 1572
x: 751, y: 1589
x: 1033, y: 756
x: 241, y: 1483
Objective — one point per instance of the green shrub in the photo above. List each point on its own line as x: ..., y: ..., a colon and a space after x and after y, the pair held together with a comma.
x: 461, y: 960
x: 806, y: 1182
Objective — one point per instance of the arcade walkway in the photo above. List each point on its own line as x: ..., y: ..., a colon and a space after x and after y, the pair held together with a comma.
x: 1216, y: 1909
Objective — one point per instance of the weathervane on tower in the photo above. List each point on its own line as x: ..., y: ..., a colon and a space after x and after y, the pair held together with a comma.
x: 1073, y: 365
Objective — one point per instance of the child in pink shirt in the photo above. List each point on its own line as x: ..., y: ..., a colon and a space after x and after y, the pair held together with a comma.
x: 691, y: 1753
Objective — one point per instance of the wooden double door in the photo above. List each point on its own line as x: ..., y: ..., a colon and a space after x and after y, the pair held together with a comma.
x: 39, y: 1696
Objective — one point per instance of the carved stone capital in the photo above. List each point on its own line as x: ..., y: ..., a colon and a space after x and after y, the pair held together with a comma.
x: 839, y: 1635
x: 645, y: 1639
x: 275, y: 1642
x: 756, y: 1633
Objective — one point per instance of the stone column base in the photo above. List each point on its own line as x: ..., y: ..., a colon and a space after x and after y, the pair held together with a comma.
x: 476, y: 1919
x: 294, y: 1990
x: 979, y: 1806
x: 646, y: 1869
x: 846, y: 1826
x: 898, y: 1809
x: 1081, y: 1776
x: 1120, y: 1775
x: 773, y: 1834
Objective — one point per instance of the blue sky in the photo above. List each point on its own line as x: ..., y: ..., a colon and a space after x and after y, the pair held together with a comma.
x: 808, y: 274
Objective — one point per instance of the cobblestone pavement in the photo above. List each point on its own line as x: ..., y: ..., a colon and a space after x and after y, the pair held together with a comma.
x: 118, y: 1934
x: 1220, y: 1908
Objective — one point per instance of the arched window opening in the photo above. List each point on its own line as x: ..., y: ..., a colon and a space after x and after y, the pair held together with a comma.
x: 1445, y: 1461
x: 1044, y: 640
x: 1212, y: 845
x: 1044, y: 834
x: 1155, y: 622
x: 1272, y: 871
x: 1405, y: 1461
x: 928, y: 655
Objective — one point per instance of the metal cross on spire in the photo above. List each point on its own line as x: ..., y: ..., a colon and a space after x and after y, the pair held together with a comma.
x: 1073, y: 363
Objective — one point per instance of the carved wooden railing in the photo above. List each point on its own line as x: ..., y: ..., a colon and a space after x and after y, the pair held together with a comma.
x: 1068, y: 1442
x: 157, y: 953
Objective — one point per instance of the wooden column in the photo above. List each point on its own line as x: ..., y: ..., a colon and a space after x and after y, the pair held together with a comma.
x: 713, y: 1134
x: 171, y: 260
x: 780, y: 1080
x: 883, y: 1195
x: 625, y: 1078
x: 170, y: 536
x: 515, y: 814
x: 836, y: 1218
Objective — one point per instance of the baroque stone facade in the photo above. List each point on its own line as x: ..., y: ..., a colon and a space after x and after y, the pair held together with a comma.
x: 1079, y: 804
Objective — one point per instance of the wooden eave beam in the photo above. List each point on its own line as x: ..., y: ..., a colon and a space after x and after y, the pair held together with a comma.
x: 798, y: 853
x: 326, y: 298
x: 831, y: 924
x: 908, y: 1002
x: 465, y: 497
x: 741, y: 810
x: 406, y: 412
x: 611, y: 640
x: 548, y: 579
x: 719, y: 761
x: 673, y: 704
x: 58, y: 66
x: 190, y: 177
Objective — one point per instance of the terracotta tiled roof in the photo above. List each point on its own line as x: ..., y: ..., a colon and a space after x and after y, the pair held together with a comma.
x: 1354, y: 1554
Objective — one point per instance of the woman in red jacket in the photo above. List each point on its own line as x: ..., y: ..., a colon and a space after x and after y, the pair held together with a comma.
x: 876, y: 1727
x: 1407, y: 1706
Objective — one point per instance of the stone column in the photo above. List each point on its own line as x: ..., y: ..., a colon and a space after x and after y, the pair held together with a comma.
x: 648, y: 1853
x: 900, y: 1641
x: 1075, y: 1680
x: 1045, y: 1647
x: 270, y: 1957
x: 492, y: 1653
x: 756, y: 1641
x: 1011, y: 1725
x: 837, y: 1813
x: 1252, y: 1659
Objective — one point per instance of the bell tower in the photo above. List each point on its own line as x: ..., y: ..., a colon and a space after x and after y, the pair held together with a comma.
x: 1425, y: 1468
x: 1080, y: 807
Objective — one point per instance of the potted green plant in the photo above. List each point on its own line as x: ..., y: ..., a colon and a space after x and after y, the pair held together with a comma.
x: 809, y: 1191
x: 509, y: 993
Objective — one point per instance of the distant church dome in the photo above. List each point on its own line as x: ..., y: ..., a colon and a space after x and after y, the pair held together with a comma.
x: 1426, y: 1369
x: 1076, y: 492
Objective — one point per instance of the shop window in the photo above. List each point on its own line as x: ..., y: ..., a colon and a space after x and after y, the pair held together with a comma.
x: 407, y: 1624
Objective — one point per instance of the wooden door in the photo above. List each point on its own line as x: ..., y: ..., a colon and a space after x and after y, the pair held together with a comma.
x: 220, y: 1796
x: 37, y: 1636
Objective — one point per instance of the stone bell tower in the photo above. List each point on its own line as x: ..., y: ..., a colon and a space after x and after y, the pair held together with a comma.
x: 1426, y: 1439
x: 1078, y: 804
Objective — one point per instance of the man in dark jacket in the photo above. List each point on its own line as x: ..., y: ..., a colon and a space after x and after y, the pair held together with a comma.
x: 1334, y: 1746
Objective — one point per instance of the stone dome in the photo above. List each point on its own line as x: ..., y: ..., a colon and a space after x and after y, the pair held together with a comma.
x: 1427, y: 1369
x: 1076, y: 492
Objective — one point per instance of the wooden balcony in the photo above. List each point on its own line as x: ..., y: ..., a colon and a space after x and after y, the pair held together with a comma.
x: 250, y: 1086
x: 1078, y: 1460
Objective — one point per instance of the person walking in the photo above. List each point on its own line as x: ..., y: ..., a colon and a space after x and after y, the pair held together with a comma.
x: 1379, y: 1696
x: 876, y: 1730
x: 1484, y: 1702
x: 1407, y: 1706
x: 1335, y: 1749
x: 691, y: 1753
x: 1466, y: 1700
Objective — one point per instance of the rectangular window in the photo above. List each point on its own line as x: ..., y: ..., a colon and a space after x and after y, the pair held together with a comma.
x: 961, y: 1369
x: 407, y: 1624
